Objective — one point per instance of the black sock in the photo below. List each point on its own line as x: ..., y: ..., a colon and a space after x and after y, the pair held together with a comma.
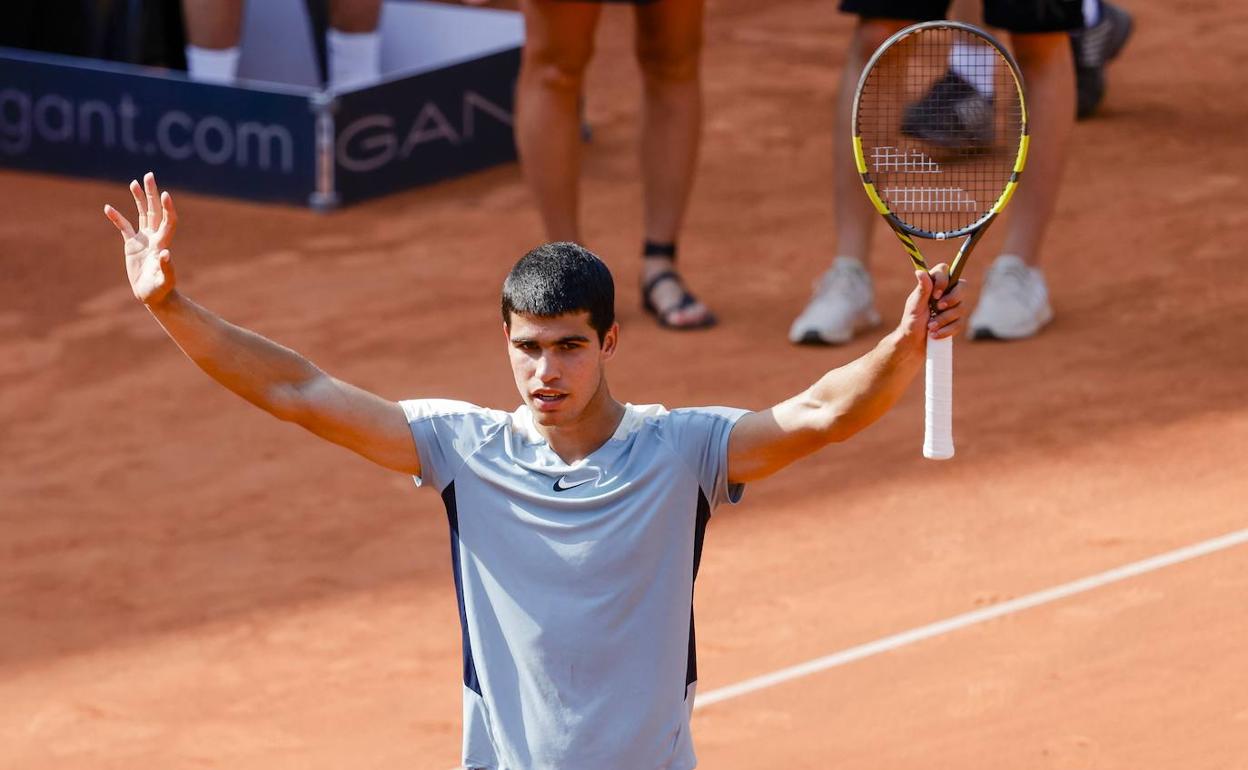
x: 655, y: 249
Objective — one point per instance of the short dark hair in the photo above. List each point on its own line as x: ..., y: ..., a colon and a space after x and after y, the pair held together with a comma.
x: 559, y: 278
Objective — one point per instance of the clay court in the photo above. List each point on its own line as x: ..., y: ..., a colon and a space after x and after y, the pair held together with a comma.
x: 188, y: 583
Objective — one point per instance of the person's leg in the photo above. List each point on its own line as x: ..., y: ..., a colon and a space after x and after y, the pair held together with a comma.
x: 853, y: 216
x: 1106, y: 30
x: 353, y: 43
x: 559, y: 40
x: 843, y: 303
x: 355, y: 16
x: 213, y: 29
x: 1048, y: 71
x: 668, y: 46
x: 1014, y: 302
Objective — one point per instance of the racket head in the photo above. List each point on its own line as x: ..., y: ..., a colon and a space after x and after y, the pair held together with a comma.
x: 940, y: 150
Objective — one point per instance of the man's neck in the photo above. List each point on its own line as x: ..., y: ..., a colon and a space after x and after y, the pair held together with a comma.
x: 594, y: 428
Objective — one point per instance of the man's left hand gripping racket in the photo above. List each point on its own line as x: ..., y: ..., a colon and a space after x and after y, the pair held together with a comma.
x: 940, y: 139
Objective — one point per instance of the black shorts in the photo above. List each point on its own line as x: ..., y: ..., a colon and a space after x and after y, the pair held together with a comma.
x: 1012, y: 15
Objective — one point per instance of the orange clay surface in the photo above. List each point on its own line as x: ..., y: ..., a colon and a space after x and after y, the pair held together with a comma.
x: 187, y: 583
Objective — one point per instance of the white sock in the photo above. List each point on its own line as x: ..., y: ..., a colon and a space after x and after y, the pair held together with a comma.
x: 212, y: 65
x: 354, y: 58
x: 1091, y: 13
x: 975, y: 64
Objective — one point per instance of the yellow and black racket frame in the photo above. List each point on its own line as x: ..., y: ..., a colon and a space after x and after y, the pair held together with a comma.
x: 905, y: 232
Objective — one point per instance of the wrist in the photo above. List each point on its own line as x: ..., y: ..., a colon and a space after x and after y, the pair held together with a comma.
x: 166, y: 302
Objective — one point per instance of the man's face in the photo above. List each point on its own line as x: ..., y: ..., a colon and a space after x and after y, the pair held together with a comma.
x: 558, y: 363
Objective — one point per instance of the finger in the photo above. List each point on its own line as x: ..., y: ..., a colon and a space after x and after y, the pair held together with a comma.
x: 170, y: 225
x: 164, y: 256
x: 120, y: 222
x: 153, y: 198
x: 950, y: 329
x: 940, y: 280
x: 924, y: 287
x: 952, y: 297
x: 139, y: 203
x: 941, y: 324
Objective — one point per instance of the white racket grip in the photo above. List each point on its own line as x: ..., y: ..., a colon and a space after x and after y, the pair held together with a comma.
x: 938, y: 412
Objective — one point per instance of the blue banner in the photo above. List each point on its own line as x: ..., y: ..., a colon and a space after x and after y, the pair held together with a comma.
x: 425, y: 127
x: 98, y: 119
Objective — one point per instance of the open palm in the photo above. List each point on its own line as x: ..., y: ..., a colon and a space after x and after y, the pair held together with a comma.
x: 148, y: 262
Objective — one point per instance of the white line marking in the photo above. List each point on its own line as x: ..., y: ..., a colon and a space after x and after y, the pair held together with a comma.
x: 970, y: 618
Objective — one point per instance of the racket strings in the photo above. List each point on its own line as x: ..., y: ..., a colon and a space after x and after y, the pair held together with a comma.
x: 940, y: 119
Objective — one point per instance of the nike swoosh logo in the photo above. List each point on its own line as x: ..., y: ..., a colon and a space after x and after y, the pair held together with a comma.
x: 561, y: 487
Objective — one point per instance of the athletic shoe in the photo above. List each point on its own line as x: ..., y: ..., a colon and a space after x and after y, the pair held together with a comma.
x: 843, y: 305
x: 1014, y: 303
x: 952, y: 114
x: 1094, y: 47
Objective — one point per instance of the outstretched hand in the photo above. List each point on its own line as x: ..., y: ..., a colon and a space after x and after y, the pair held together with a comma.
x: 147, y: 248
x: 934, y: 309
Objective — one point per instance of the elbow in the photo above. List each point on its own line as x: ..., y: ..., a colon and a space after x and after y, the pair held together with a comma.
x: 286, y: 404
x: 839, y: 422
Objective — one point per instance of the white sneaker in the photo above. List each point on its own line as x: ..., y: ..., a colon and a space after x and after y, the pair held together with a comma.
x: 842, y: 306
x: 1014, y: 303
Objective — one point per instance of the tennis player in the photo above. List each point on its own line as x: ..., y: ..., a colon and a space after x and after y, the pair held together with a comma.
x: 576, y: 520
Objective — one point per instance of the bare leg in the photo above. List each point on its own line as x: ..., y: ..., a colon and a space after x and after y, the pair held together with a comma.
x: 843, y: 303
x: 1048, y: 70
x: 854, y: 217
x: 559, y: 40
x: 213, y: 24
x: 355, y: 16
x: 669, y: 47
x: 971, y: 11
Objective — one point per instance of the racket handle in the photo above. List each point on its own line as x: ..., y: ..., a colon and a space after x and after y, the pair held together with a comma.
x: 938, y: 412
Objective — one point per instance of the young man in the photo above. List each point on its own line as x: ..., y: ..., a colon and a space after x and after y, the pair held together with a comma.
x: 1014, y: 302
x: 576, y: 520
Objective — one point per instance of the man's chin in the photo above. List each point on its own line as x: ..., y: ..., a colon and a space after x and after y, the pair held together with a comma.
x: 549, y: 419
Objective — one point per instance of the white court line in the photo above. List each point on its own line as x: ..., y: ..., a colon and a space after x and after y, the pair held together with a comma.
x: 970, y: 618
x: 852, y: 654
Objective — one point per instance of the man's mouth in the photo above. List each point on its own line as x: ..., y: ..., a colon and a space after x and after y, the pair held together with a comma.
x: 548, y: 397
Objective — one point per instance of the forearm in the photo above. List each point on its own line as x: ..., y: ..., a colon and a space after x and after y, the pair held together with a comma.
x: 258, y: 369
x: 851, y: 397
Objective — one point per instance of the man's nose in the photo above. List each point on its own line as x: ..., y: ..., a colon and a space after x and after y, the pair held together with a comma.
x: 547, y: 368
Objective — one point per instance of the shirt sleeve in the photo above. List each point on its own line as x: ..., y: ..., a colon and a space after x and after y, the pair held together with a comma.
x: 446, y: 434
x: 700, y: 436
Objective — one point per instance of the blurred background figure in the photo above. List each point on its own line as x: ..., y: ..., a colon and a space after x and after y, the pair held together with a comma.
x: 1046, y: 39
x: 148, y: 33
x: 559, y: 41
x: 1104, y: 34
x: 1106, y: 31
x: 352, y: 43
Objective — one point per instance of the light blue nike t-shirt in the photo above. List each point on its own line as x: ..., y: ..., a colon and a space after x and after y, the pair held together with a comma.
x: 575, y: 581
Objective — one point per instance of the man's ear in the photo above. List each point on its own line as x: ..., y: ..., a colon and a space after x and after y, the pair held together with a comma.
x: 610, y: 341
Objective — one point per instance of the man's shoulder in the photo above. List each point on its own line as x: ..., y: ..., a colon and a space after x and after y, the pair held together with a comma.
x: 422, y: 409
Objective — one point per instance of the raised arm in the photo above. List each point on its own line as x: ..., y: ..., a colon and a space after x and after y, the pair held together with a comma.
x: 274, y: 378
x: 851, y: 397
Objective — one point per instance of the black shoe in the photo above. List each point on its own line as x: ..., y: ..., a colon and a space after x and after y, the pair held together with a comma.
x: 1094, y: 47
x: 952, y: 114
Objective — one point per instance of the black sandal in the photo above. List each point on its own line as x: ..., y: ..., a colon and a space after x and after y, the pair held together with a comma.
x: 686, y: 300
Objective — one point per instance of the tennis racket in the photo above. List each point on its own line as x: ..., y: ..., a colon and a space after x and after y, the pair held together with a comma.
x: 940, y: 139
